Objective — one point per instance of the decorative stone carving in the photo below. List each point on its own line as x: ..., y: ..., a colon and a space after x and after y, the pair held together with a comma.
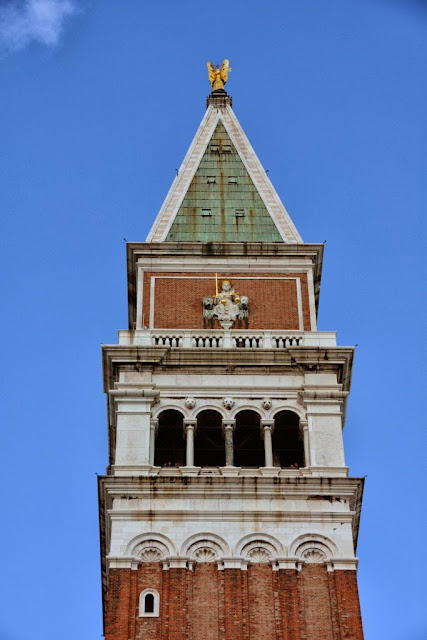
x: 314, y: 556
x: 150, y: 555
x: 266, y: 403
x: 205, y: 550
x: 151, y: 551
x: 208, y: 312
x: 227, y: 307
x: 259, y: 550
x: 205, y: 554
x: 243, y: 316
x: 228, y: 402
x: 190, y: 403
x: 260, y: 554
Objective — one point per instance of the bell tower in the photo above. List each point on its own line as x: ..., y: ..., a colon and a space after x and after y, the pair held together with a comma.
x: 227, y: 511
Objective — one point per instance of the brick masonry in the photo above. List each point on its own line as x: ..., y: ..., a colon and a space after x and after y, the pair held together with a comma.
x: 273, y: 300
x: 257, y: 604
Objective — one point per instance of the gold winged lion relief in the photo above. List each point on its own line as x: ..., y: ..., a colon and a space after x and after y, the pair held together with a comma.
x: 218, y: 76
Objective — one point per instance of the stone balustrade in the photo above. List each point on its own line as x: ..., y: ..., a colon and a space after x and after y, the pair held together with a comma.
x: 220, y: 339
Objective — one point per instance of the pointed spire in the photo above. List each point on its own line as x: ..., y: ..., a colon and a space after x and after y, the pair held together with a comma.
x: 221, y: 192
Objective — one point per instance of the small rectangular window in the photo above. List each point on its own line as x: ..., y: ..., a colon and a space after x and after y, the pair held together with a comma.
x: 211, y: 180
x: 240, y: 213
x: 232, y: 180
x: 226, y: 148
x: 214, y: 148
x: 206, y: 213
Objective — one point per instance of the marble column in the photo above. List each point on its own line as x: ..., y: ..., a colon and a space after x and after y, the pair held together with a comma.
x: 267, y: 427
x: 190, y: 428
x: 229, y: 426
x: 306, y: 439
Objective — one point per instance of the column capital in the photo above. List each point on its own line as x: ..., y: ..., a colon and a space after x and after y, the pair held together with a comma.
x: 154, y: 424
x: 266, y: 425
x: 228, y: 424
x: 189, y: 424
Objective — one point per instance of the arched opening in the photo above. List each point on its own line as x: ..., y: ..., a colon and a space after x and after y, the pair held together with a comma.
x: 170, y: 443
x: 149, y: 603
x: 209, y: 449
x: 288, y: 446
x: 248, y: 445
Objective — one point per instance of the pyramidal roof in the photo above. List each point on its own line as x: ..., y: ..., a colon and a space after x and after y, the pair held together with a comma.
x: 221, y: 192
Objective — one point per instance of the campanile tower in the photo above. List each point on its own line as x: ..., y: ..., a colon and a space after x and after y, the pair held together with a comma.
x: 227, y: 511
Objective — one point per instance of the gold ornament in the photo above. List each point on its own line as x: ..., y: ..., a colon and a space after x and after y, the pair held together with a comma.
x: 218, y: 76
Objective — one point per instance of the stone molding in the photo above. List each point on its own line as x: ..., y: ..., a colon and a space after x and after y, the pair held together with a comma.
x: 256, y: 548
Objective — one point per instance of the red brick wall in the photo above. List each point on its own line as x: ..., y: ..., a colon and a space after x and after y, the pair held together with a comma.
x: 257, y: 604
x: 205, y: 602
x: 261, y: 602
x: 273, y: 302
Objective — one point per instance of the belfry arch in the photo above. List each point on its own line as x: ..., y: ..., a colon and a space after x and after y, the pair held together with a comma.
x: 248, y: 445
x: 169, y: 448
x: 288, y: 445
x: 209, y: 448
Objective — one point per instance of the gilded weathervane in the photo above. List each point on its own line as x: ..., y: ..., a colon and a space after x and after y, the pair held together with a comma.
x: 218, y: 76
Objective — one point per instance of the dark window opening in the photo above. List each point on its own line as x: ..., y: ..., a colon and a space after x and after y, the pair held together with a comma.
x: 209, y: 448
x: 149, y: 603
x: 288, y: 446
x: 170, y: 443
x: 248, y: 445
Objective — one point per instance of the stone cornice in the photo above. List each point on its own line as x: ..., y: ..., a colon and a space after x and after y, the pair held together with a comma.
x: 299, y: 359
x: 323, y: 488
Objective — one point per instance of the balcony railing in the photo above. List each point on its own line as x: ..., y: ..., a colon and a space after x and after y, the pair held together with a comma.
x: 234, y: 339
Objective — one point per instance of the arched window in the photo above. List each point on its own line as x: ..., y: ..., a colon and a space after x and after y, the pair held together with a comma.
x: 288, y: 446
x: 149, y: 604
x: 170, y: 443
x: 248, y: 445
x: 209, y: 447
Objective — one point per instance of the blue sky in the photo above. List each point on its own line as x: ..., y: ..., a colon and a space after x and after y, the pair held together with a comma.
x: 100, y: 101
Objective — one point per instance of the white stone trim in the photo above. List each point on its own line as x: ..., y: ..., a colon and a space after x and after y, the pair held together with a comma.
x: 311, y: 301
x: 156, y: 608
x: 312, y: 542
x: 157, y: 540
x: 204, y: 540
x: 232, y: 563
x: 152, y: 298
x: 259, y: 540
x: 139, y: 298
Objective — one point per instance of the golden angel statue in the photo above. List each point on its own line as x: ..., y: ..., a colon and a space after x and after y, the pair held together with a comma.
x: 218, y: 77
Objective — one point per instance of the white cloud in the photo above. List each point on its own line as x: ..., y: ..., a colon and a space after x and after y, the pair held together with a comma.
x: 25, y: 21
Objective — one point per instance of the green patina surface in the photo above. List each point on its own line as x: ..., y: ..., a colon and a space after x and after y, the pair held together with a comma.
x: 211, y: 190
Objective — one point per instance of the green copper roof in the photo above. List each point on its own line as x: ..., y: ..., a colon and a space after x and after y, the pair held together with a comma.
x: 222, y: 203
